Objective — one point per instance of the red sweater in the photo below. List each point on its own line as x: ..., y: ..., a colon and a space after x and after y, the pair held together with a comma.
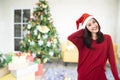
x: 92, y: 62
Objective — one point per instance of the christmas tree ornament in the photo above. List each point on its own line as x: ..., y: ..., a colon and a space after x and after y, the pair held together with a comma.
x: 38, y: 36
x: 51, y: 53
x: 48, y: 44
x: 38, y: 51
x: 29, y: 26
x: 45, y: 60
x: 29, y: 40
x: 45, y: 36
x: 41, y: 17
x: 44, y: 29
x: 38, y: 27
x: 55, y: 40
x: 40, y: 42
x: 44, y: 6
x: 38, y: 3
x: 25, y: 33
x: 35, y: 32
x: 32, y: 43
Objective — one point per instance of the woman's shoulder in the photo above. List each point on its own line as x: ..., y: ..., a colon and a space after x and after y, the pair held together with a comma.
x: 81, y: 30
x: 107, y: 36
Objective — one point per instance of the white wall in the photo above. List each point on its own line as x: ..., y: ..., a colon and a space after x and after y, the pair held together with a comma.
x: 64, y: 13
x: 118, y: 29
x: 3, y: 30
x: 6, y: 21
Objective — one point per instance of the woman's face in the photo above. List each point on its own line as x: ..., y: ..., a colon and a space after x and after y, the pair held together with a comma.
x: 92, y: 26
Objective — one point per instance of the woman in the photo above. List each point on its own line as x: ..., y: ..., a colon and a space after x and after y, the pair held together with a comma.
x: 94, y: 48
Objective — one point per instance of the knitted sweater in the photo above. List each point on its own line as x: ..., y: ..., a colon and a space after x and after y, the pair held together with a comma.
x: 92, y: 62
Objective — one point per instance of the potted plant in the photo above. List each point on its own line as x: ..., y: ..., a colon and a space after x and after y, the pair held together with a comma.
x: 4, y: 60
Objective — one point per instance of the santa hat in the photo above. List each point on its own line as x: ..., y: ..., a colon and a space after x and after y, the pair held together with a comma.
x: 83, y: 20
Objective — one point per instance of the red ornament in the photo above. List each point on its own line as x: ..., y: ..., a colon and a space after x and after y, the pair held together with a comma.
x: 40, y: 13
x: 38, y: 3
x: 28, y: 35
x: 19, y: 54
x: 31, y: 19
x: 51, y: 40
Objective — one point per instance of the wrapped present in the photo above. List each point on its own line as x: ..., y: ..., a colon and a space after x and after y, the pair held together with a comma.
x: 40, y: 71
x: 31, y: 68
x: 18, y: 62
x: 4, y: 70
x: 30, y: 58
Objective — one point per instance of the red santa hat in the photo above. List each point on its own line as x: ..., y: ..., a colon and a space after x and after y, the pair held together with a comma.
x: 83, y: 20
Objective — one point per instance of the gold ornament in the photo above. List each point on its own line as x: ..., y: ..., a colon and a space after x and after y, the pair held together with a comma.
x: 55, y: 40
x: 45, y: 60
x: 39, y: 36
x: 38, y: 51
x: 44, y: 29
x: 28, y: 40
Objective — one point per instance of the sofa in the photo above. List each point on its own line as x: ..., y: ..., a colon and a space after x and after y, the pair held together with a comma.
x: 70, y: 52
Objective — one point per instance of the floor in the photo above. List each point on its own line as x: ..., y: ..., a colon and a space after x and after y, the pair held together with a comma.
x: 58, y: 64
x: 61, y: 64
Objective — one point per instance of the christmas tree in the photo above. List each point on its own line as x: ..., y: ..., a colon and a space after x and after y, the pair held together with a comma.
x: 40, y: 35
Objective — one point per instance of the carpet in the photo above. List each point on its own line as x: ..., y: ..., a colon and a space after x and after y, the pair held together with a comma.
x: 67, y: 74
x: 59, y: 74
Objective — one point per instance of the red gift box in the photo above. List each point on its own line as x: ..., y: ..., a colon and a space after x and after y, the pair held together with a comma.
x: 40, y: 70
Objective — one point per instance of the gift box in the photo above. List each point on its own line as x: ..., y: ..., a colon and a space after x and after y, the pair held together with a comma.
x: 18, y: 62
x: 40, y: 71
x: 4, y: 70
x: 31, y: 68
x: 30, y: 58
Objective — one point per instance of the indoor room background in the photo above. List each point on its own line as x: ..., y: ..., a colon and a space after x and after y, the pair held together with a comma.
x: 64, y: 13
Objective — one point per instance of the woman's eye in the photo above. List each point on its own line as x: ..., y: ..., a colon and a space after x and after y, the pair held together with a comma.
x: 89, y: 25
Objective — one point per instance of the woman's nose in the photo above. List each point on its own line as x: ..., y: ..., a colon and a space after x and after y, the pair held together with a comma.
x: 93, y: 25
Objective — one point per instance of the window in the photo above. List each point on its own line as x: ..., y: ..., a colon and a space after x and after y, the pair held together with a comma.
x: 21, y: 17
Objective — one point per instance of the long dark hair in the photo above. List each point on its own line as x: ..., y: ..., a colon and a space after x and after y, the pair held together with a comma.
x: 87, y: 37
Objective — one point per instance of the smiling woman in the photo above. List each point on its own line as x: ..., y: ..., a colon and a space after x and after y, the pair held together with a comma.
x: 94, y: 49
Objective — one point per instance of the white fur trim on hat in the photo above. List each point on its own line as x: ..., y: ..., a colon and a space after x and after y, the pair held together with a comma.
x: 86, y: 20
